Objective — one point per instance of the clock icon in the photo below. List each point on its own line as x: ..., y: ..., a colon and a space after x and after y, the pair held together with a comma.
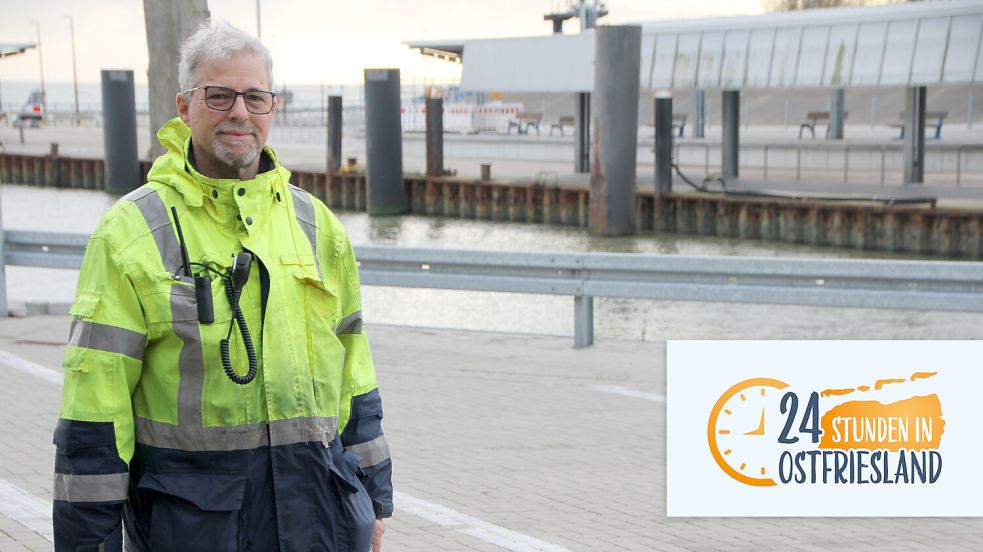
x: 740, y: 440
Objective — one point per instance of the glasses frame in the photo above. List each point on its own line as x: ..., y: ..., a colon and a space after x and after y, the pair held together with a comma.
x: 237, y: 93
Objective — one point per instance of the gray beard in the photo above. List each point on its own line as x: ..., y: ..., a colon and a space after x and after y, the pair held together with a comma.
x: 234, y: 159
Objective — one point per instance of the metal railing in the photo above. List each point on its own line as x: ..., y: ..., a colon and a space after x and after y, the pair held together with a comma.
x: 916, y: 285
x: 961, y: 151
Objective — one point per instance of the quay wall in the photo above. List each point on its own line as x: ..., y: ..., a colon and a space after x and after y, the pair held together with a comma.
x: 920, y: 229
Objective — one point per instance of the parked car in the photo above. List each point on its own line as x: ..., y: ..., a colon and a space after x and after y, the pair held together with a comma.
x: 33, y: 111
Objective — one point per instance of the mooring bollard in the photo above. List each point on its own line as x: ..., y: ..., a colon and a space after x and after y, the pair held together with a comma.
x: 435, y: 136
x: 54, y: 178
x: 122, y: 166
x: 334, y: 135
x: 663, y: 143
x: 615, y: 136
x: 384, y: 190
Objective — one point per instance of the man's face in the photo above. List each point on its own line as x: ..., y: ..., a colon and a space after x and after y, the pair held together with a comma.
x: 227, y: 144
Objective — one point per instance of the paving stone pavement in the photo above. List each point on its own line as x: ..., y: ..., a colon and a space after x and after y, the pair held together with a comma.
x: 500, y: 441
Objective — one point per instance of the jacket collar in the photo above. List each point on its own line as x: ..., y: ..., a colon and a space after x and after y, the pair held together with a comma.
x: 175, y: 169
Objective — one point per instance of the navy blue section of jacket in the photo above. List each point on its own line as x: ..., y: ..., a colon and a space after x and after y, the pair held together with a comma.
x: 364, y: 426
x: 87, y: 448
x: 297, y: 497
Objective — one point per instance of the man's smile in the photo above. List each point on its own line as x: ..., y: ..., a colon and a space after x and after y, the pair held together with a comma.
x: 237, y: 134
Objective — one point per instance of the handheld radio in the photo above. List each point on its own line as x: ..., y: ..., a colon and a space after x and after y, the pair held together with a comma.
x: 235, y: 279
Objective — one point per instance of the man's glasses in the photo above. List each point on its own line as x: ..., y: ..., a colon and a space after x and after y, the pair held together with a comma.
x: 221, y: 98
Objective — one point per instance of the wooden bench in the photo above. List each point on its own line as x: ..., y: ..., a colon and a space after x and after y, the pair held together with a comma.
x: 565, y: 120
x: 932, y: 119
x: 524, y: 120
x: 815, y: 117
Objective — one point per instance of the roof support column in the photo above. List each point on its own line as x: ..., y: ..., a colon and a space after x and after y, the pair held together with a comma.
x: 581, y: 131
x: 836, y: 114
x: 384, y: 191
x: 615, y: 139
x: 914, y: 135
x: 730, y: 137
x: 698, y: 123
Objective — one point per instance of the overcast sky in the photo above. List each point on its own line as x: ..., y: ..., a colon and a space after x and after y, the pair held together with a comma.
x: 311, y: 40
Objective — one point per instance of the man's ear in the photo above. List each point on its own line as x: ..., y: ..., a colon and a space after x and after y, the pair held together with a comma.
x: 182, y: 107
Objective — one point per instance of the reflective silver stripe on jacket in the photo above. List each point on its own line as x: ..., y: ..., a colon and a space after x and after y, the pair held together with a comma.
x: 351, y: 324
x: 184, y: 309
x: 371, y: 452
x: 111, y: 339
x: 242, y: 437
x: 161, y: 228
x: 303, y: 430
x: 304, y: 211
x: 91, y: 488
x: 191, y: 365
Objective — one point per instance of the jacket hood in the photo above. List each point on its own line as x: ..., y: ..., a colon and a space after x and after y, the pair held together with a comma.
x: 173, y: 168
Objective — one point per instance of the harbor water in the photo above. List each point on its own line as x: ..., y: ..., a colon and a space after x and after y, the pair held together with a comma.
x: 78, y: 211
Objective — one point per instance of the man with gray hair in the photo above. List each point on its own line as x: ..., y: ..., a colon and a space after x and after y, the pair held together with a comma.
x: 219, y: 391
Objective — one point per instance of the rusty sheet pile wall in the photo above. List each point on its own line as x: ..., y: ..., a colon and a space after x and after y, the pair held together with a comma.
x: 917, y: 229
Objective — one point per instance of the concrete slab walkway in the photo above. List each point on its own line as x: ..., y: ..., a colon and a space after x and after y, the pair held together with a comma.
x: 500, y: 442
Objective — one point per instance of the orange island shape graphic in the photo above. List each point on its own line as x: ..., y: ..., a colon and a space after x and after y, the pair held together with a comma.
x: 914, y: 424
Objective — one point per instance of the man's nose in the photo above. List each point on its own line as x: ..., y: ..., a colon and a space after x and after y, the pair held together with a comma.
x: 239, y: 111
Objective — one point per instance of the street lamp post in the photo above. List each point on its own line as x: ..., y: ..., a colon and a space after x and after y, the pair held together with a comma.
x: 75, y: 78
x: 44, y: 98
x: 259, y: 28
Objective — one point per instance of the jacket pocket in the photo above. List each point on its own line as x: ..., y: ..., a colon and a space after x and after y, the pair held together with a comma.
x: 355, y: 501
x: 198, y: 511
x: 325, y: 354
x: 85, y: 304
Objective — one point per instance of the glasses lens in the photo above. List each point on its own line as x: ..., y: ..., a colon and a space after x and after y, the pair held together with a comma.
x: 219, y: 97
x: 258, y: 102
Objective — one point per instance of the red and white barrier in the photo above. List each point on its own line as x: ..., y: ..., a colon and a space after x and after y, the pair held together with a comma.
x: 462, y: 117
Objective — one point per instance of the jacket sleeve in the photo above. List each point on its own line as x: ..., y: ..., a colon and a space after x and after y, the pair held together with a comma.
x: 362, y: 424
x: 94, y: 436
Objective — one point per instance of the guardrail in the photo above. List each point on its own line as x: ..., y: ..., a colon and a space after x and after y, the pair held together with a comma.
x: 916, y: 285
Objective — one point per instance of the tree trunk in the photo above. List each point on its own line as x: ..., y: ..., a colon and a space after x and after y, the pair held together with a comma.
x: 168, y: 23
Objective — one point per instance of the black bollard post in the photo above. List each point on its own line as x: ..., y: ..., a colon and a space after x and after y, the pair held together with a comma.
x: 663, y: 143
x: 119, y: 117
x: 384, y: 191
x: 55, y: 178
x: 730, y: 133
x: 435, y: 136
x: 334, y: 135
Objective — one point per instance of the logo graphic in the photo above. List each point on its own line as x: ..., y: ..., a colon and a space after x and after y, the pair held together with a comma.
x: 739, y: 427
x: 763, y: 433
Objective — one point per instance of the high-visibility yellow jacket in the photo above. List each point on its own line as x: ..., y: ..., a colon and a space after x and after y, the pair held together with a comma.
x: 151, y: 428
